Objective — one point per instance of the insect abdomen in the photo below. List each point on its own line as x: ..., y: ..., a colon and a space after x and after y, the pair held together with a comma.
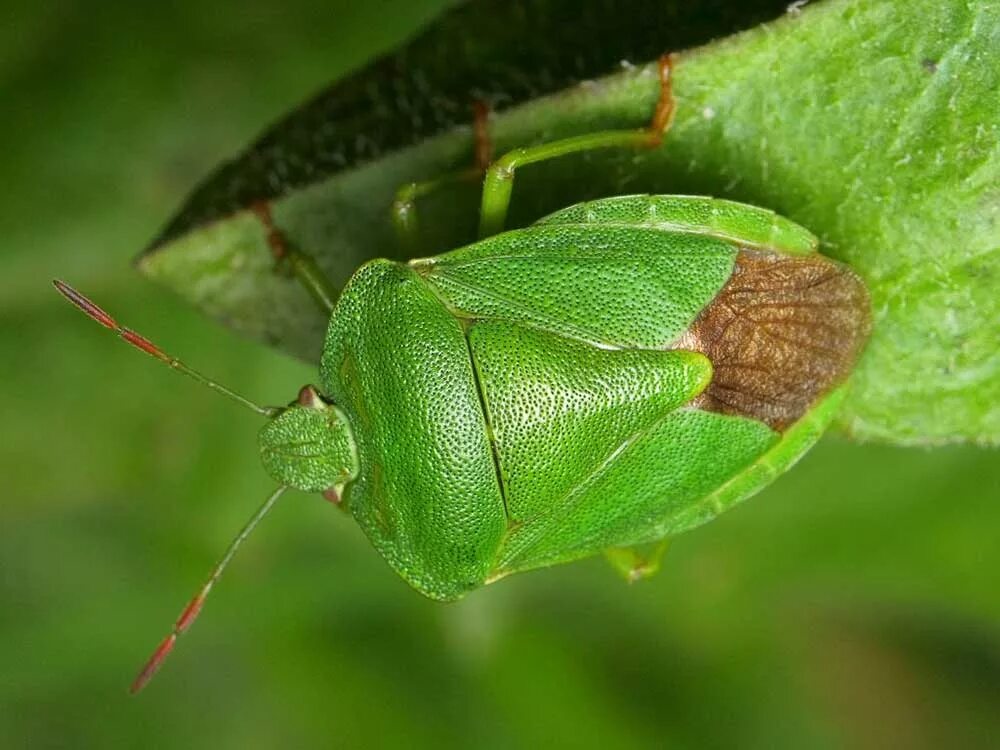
x: 598, y: 451
x: 595, y: 450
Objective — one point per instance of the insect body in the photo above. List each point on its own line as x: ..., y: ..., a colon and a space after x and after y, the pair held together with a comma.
x: 619, y: 372
x: 615, y: 374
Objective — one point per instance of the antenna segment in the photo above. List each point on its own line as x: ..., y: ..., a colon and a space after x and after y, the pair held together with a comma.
x: 141, y: 342
x: 193, y: 608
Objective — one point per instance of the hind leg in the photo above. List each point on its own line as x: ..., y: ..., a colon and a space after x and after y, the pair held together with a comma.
x: 500, y: 176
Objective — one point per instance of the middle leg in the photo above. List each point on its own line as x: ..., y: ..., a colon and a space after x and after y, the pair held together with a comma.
x: 404, y: 212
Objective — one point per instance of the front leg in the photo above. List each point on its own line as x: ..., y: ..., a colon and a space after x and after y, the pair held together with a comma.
x: 302, y: 266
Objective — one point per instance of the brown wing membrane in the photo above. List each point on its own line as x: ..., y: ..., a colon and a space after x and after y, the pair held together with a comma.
x: 782, y: 332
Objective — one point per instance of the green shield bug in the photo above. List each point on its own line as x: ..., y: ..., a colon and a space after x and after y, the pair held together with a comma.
x: 619, y: 372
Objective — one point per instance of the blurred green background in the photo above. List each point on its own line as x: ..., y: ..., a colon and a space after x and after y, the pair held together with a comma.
x: 855, y: 603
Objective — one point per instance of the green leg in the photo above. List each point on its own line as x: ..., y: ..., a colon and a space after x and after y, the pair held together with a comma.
x: 313, y: 279
x: 404, y: 211
x: 500, y: 176
x: 302, y: 266
x: 636, y: 563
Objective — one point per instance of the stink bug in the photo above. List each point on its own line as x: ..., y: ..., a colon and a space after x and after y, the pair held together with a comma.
x: 619, y: 372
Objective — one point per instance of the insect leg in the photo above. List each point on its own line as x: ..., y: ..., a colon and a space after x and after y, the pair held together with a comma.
x: 302, y: 266
x: 404, y: 212
x: 404, y: 209
x: 636, y: 563
x: 500, y: 176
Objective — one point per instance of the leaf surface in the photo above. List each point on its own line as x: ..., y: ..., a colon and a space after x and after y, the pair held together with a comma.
x: 875, y: 124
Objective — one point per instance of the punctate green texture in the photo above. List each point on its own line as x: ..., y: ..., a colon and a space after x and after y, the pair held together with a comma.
x: 555, y: 391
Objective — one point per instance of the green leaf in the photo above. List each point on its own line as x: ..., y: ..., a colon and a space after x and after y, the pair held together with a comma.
x: 875, y: 124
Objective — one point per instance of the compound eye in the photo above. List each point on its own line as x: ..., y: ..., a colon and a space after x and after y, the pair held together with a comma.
x: 310, y: 398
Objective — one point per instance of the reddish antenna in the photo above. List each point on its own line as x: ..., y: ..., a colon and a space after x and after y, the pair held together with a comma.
x: 141, y: 342
x: 193, y: 608
x: 190, y: 612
